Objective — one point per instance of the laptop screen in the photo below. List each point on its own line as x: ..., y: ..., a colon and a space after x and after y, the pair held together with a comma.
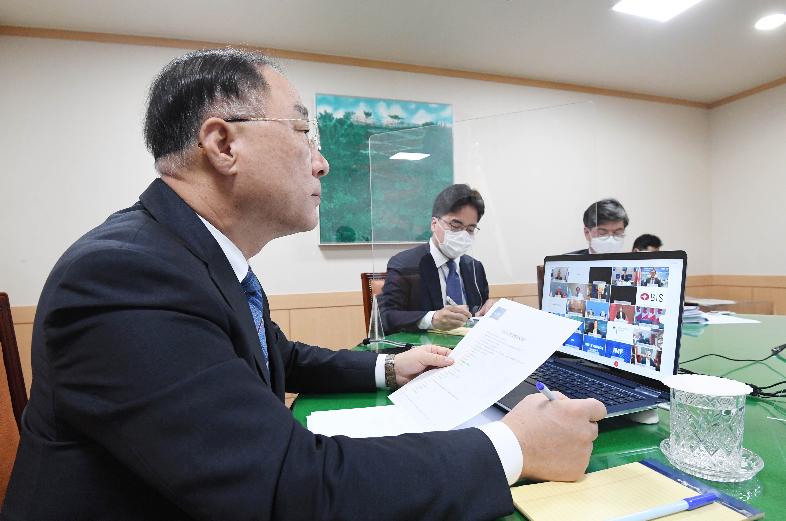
x: 628, y: 308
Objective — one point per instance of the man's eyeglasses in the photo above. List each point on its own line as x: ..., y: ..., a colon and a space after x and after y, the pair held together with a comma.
x: 602, y: 233
x: 308, y: 126
x: 457, y: 226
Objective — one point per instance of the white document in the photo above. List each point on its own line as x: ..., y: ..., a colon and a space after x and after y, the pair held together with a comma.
x: 367, y: 422
x: 709, y: 301
x: 498, y: 353
x: 385, y: 420
x: 720, y: 318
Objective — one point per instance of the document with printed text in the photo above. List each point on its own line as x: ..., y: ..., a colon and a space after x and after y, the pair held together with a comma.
x: 503, y: 349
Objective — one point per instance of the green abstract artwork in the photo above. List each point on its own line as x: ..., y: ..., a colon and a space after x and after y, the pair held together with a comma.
x: 388, y: 161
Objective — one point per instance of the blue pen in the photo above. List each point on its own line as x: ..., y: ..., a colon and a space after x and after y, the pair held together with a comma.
x: 689, y: 503
x: 545, y: 390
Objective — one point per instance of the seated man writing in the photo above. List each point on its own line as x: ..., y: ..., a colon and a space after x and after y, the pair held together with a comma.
x: 436, y: 285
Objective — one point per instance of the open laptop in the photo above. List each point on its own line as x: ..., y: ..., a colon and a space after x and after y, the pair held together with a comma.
x: 628, y: 313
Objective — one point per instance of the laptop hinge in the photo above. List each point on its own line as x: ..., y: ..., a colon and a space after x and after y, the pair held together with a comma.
x: 648, y: 391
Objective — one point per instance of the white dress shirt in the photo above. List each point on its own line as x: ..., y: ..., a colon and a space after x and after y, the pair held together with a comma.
x: 502, y: 438
x: 442, y: 269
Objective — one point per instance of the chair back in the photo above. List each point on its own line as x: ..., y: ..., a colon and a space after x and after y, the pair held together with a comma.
x: 371, y: 284
x: 13, y: 395
x: 541, y: 272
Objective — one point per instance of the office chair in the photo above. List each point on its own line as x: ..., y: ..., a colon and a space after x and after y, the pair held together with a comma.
x: 371, y: 284
x: 541, y: 273
x: 13, y: 395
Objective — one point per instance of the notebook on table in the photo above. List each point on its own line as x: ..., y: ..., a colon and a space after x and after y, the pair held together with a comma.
x: 628, y: 312
x: 624, y: 490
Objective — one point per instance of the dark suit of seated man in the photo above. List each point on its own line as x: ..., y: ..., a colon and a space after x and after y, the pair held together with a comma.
x: 159, y: 377
x: 422, y: 289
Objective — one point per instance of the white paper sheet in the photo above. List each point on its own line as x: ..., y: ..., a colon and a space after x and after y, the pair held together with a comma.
x: 386, y: 420
x: 496, y: 355
x: 719, y: 318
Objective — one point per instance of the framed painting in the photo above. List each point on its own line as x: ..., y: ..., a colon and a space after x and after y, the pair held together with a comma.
x: 388, y: 161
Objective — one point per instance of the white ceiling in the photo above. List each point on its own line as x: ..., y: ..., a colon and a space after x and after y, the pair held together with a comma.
x: 709, y: 52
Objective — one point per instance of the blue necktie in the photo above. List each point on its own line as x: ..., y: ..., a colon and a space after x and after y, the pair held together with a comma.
x: 453, y: 284
x: 256, y: 303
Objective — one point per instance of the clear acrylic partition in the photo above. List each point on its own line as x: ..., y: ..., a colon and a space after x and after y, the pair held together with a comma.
x: 536, y: 170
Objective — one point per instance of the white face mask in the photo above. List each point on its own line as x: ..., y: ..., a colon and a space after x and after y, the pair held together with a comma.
x: 455, y: 244
x: 608, y: 244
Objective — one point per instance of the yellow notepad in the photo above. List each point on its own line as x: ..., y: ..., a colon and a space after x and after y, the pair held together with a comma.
x: 459, y: 331
x: 620, y: 491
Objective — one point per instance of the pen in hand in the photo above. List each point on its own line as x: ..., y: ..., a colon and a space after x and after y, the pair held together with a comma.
x: 540, y: 386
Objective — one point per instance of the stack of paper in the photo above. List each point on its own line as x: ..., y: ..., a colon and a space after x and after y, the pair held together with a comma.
x: 494, y: 357
x: 691, y: 314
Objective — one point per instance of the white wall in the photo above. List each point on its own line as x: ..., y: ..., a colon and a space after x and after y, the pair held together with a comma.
x: 748, y: 161
x: 72, y: 153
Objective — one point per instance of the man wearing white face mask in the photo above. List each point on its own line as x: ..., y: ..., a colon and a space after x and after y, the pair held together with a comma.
x: 437, y: 285
x: 604, y: 227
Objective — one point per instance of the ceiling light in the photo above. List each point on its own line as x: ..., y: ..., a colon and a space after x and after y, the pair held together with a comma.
x: 660, y: 10
x: 410, y: 156
x: 770, y: 22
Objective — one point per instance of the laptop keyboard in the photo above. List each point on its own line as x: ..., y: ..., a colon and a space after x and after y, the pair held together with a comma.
x: 576, y: 385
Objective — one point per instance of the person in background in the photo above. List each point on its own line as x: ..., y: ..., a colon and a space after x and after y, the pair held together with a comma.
x: 437, y: 285
x: 647, y: 242
x: 604, y: 227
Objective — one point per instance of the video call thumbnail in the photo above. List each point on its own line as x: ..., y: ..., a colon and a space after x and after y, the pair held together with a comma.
x: 578, y: 290
x: 559, y: 289
x: 600, y: 291
x: 597, y: 309
x: 623, y: 294
x: 622, y: 312
x: 654, y: 277
x: 625, y: 276
x: 577, y: 307
x: 653, y: 316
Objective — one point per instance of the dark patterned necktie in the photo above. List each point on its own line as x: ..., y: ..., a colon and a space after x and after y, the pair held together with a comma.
x: 453, y: 284
x: 256, y: 303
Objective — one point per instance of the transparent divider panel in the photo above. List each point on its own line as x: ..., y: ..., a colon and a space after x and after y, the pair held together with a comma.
x: 535, y: 169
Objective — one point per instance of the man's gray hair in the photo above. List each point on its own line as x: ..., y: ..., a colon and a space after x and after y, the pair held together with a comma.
x: 224, y: 83
x: 604, y: 211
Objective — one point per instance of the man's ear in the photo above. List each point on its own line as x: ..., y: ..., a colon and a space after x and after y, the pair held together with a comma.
x: 217, y: 139
x: 587, y: 234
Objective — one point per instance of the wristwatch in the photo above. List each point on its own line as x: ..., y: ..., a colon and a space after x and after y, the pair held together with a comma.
x: 390, y: 372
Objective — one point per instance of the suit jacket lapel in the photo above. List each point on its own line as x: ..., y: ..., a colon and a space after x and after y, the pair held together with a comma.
x: 172, y: 212
x: 276, y: 373
x: 431, y: 291
x: 468, y: 278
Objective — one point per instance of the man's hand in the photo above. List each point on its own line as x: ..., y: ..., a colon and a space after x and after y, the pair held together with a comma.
x: 555, y: 436
x: 486, y: 306
x: 411, y: 363
x: 450, y: 317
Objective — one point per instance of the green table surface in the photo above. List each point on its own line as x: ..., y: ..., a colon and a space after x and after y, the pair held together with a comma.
x: 621, y: 441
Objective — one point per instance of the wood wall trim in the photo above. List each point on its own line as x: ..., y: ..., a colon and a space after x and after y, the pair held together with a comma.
x: 698, y: 280
x: 746, y: 93
x: 127, y: 39
x: 751, y: 281
x: 513, y: 290
x: 23, y: 314
x: 315, y: 300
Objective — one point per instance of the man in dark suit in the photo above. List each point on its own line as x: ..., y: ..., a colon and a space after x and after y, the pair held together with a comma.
x: 652, y: 280
x: 437, y: 285
x: 159, y: 377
